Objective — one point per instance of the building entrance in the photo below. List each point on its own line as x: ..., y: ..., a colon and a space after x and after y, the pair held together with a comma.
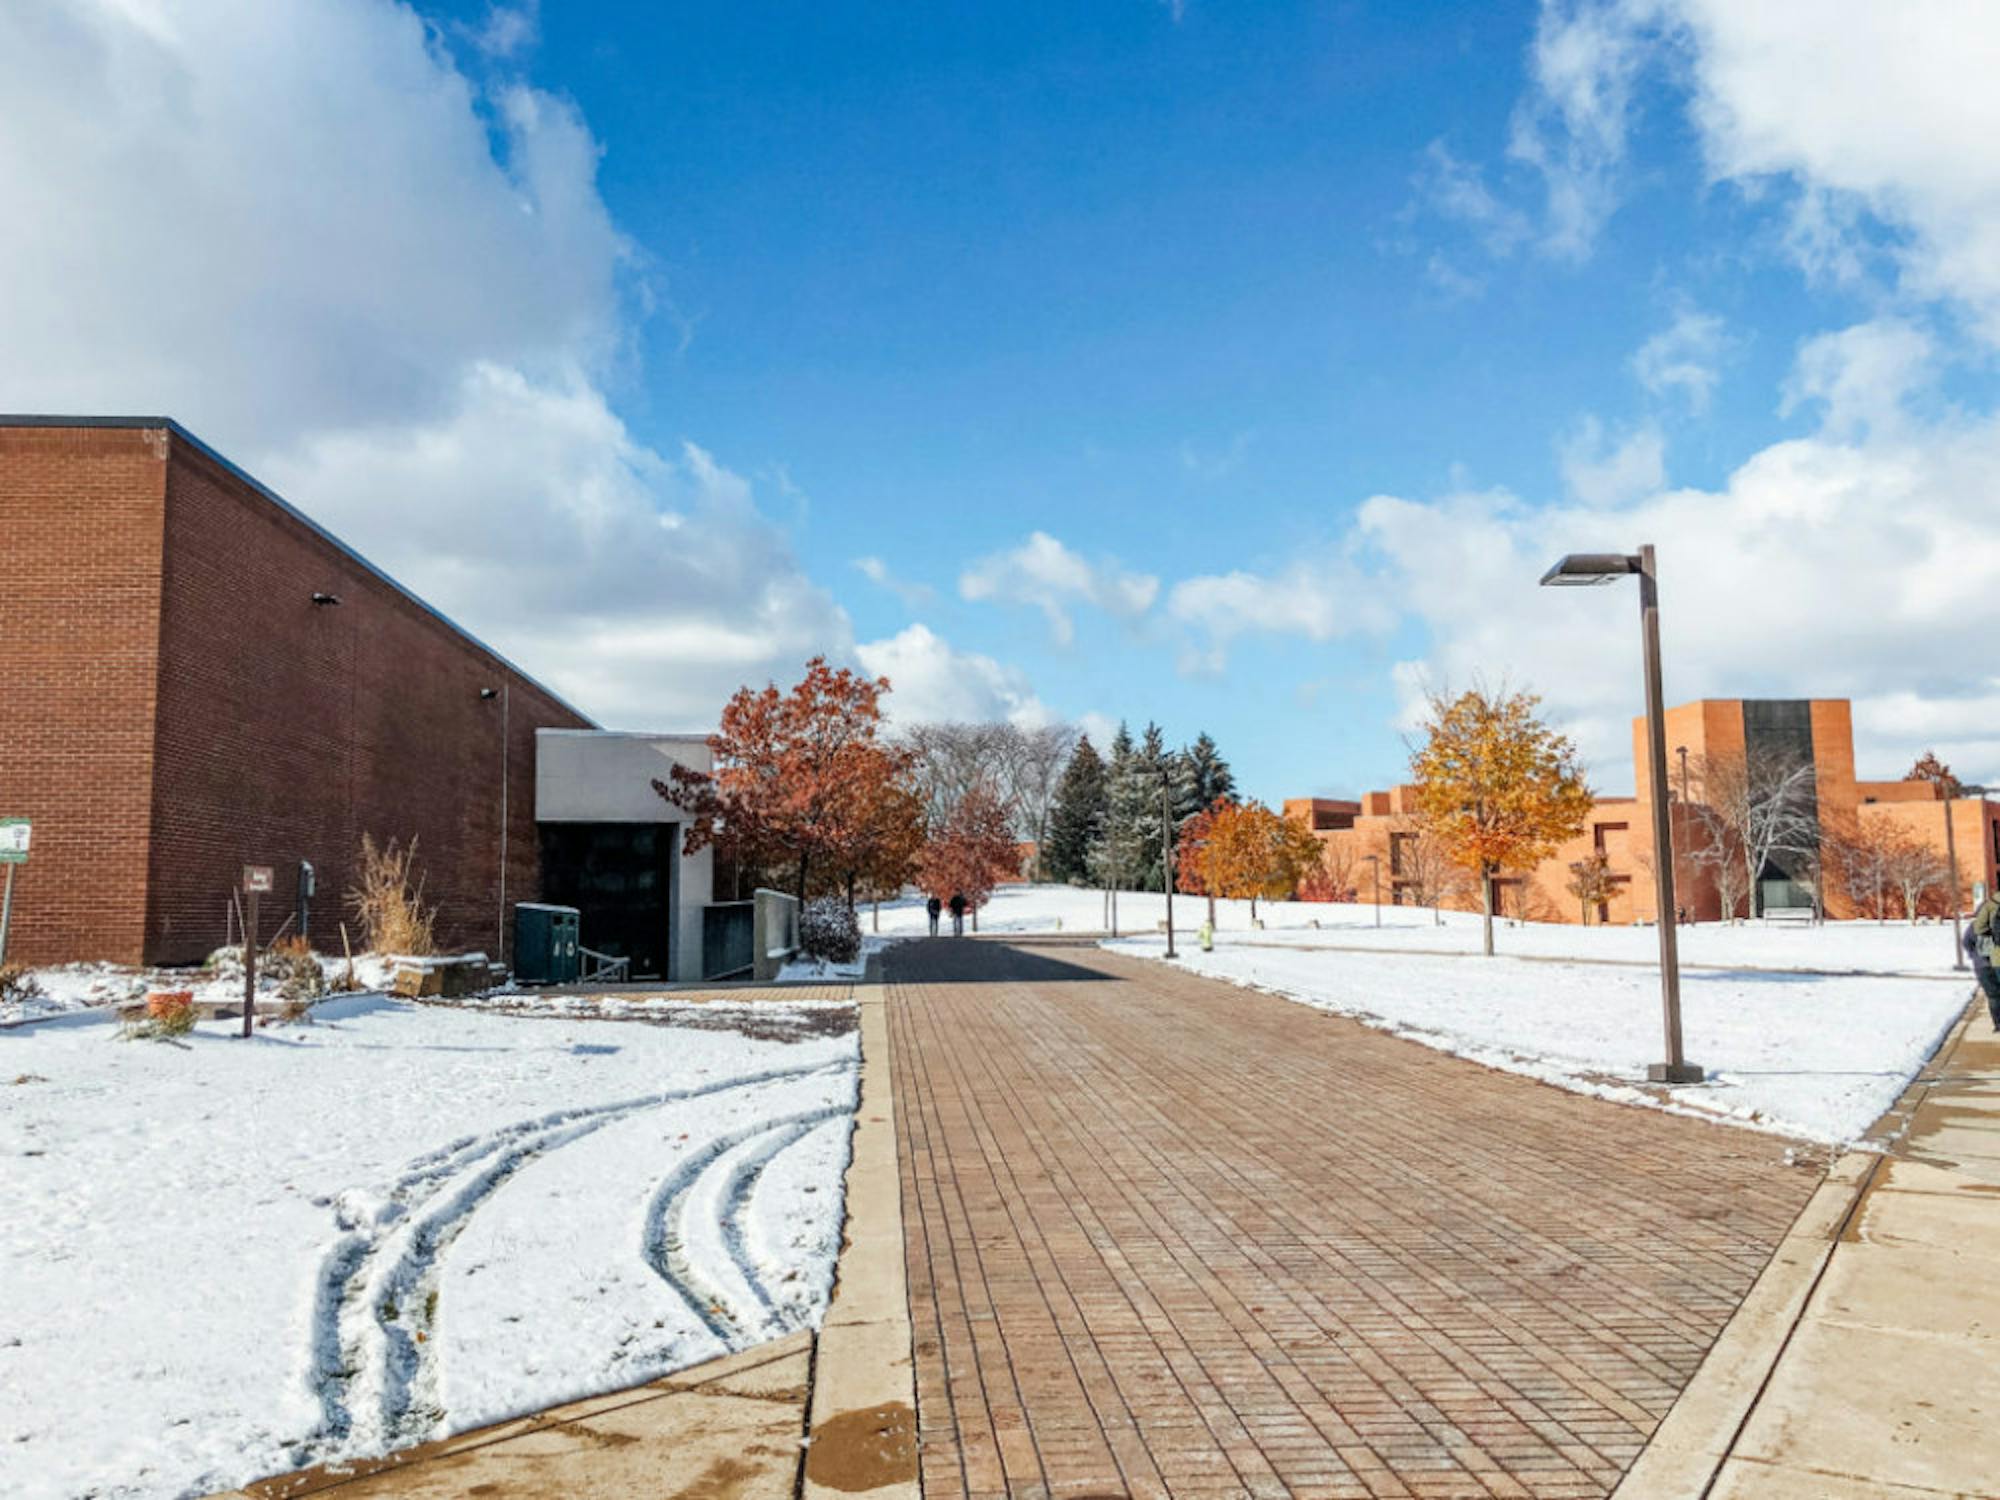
x: 620, y: 877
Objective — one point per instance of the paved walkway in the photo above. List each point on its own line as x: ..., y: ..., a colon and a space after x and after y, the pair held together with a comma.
x: 1166, y: 1236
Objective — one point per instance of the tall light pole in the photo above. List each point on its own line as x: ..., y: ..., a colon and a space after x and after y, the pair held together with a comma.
x: 1592, y: 568
x: 1951, y: 789
x: 1375, y: 860
x: 1167, y: 854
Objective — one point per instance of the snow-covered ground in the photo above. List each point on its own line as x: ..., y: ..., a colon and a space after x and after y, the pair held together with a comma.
x: 1809, y: 1031
x: 1879, y: 947
x: 64, y: 988
x: 1801, y: 1054
x: 224, y: 1258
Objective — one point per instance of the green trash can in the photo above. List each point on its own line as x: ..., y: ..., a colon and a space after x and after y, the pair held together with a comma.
x: 547, y: 943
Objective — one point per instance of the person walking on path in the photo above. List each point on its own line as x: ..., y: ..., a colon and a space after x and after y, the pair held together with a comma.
x: 957, y: 915
x: 934, y: 906
x: 1982, y: 940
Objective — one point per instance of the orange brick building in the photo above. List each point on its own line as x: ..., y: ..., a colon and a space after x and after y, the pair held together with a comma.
x: 1376, y: 839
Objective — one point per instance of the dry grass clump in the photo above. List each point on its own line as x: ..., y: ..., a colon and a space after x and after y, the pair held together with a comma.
x: 388, y: 900
x: 290, y: 963
x: 18, y: 983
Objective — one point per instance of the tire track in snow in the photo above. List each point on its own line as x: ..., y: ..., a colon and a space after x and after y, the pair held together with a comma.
x: 373, y: 1354
x: 721, y: 1308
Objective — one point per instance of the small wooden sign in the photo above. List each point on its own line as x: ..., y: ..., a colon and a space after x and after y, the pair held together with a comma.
x: 258, y: 880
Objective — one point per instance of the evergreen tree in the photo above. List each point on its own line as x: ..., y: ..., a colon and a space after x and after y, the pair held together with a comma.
x: 1117, y: 853
x: 1213, y: 780
x: 1152, y: 781
x: 1082, y: 799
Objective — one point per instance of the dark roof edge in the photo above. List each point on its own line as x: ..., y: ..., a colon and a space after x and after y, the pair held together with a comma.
x: 181, y: 434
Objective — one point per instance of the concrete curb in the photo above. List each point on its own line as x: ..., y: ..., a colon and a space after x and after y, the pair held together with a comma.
x: 862, y: 1432
x: 1688, y: 1452
x: 1689, y: 1447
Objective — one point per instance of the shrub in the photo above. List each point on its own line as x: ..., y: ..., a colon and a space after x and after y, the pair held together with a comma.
x: 168, y: 1013
x: 290, y: 964
x: 18, y: 984
x: 388, y: 901
x: 829, y: 931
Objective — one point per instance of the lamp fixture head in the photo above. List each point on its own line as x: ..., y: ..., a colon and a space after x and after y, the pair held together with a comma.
x: 1589, y: 570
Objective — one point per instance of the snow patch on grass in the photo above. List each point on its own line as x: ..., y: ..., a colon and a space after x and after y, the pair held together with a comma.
x: 1803, y: 1055
x: 393, y: 1224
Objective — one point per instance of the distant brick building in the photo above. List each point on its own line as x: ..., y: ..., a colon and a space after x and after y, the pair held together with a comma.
x: 194, y: 676
x: 1818, y: 733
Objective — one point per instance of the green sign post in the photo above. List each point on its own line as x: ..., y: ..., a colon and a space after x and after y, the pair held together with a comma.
x: 14, y: 834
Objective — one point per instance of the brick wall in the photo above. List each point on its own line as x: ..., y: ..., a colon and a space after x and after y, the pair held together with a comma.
x: 80, y: 515
x: 287, y: 729
x: 174, y: 706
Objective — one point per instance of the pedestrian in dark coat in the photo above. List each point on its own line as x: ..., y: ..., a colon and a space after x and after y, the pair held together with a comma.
x: 934, y: 906
x: 1982, y: 940
x: 957, y: 915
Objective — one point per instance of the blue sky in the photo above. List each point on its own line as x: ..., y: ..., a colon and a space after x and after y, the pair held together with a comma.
x: 1232, y: 366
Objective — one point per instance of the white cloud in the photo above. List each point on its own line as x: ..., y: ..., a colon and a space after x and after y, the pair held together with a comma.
x: 1823, y: 568
x: 646, y: 588
x: 1457, y: 190
x: 508, y: 29
x: 1585, y: 61
x: 1876, y: 116
x: 1600, y: 470
x: 931, y: 682
x: 1861, y: 375
x: 1684, y: 358
x: 877, y: 572
x: 394, y: 294
x: 1886, y: 108
x: 1048, y: 576
x: 1319, y: 598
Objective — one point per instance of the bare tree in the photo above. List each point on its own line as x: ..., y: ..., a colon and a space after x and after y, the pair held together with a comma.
x: 954, y: 758
x: 1590, y: 882
x: 1032, y: 764
x: 1857, y: 859
x: 1751, y: 808
x: 1423, y: 867
x: 1914, y: 870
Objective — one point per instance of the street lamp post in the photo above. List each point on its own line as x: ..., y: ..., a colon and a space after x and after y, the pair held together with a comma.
x: 1375, y: 863
x: 1167, y: 855
x: 1591, y: 568
x: 1951, y: 790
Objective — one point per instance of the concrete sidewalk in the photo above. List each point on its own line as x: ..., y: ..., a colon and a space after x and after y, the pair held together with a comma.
x: 1866, y: 1361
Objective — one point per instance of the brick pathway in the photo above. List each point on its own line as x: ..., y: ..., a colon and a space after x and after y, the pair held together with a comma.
x: 1170, y: 1237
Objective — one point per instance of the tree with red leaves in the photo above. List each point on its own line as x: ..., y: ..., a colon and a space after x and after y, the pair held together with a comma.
x: 798, y: 776
x: 1190, y: 855
x: 972, y: 853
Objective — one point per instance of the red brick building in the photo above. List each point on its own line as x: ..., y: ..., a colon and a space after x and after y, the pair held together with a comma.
x: 194, y: 676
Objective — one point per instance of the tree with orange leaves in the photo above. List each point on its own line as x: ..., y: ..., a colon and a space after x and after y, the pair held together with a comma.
x: 1496, y: 786
x: 1251, y: 851
x: 798, y: 775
